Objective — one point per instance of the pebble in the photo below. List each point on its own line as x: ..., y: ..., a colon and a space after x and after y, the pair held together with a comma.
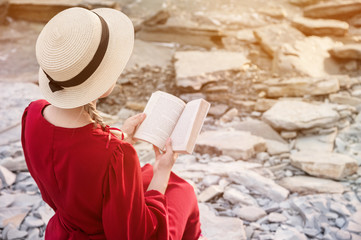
x: 276, y: 218
x: 250, y: 213
x: 32, y: 222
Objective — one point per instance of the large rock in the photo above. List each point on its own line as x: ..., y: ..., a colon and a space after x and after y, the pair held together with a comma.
x: 300, y: 86
x: 320, y: 27
x: 310, y: 185
x: 237, y: 144
x: 271, y: 37
x: 324, y: 164
x: 307, y: 57
x: 294, y: 115
x: 44, y: 10
x: 260, y: 184
x: 219, y: 228
x: 348, y: 51
x: 191, y: 72
x: 333, y: 9
x: 4, y: 4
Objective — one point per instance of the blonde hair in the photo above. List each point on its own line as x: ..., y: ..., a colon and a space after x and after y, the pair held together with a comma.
x: 94, y: 115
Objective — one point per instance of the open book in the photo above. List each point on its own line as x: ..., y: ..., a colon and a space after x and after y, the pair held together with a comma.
x: 168, y: 116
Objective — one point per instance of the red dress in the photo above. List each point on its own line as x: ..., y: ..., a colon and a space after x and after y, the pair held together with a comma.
x: 97, y: 188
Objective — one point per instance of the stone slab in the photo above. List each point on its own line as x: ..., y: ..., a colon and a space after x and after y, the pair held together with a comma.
x: 191, y: 72
x: 320, y: 27
x: 347, y: 51
x: 294, y: 115
x: 333, y: 9
x: 325, y: 164
x: 237, y: 144
x: 310, y: 185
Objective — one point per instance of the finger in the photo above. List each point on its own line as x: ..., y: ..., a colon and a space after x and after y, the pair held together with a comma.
x: 156, y: 151
x: 168, y: 146
x: 137, y: 119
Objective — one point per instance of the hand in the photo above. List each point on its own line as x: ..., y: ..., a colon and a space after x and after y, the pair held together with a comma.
x: 130, y: 125
x: 164, y: 161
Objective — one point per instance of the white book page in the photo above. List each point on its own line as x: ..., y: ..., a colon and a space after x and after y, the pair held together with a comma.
x: 162, y: 113
x: 183, y: 129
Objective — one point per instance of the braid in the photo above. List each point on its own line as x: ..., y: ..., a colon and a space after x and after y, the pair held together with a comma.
x: 94, y: 115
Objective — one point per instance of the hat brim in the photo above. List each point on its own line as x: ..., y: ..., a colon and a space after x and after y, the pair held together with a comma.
x: 120, y: 46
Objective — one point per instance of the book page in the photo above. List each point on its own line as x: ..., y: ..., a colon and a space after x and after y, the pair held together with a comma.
x: 189, y: 125
x: 162, y: 113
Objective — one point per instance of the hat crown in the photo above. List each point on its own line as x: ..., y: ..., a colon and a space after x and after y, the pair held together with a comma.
x: 68, y: 42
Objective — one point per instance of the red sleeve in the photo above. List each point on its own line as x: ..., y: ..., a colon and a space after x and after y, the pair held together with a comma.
x: 43, y: 192
x: 128, y: 212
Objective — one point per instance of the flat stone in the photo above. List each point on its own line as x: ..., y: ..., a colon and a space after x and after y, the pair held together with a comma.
x: 13, y: 215
x: 353, y: 227
x: 276, y: 147
x: 345, y: 99
x: 263, y: 104
x: 333, y: 9
x: 7, y: 178
x: 217, y: 110
x: 308, y: 57
x: 343, y: 235
x: 258, y: 128
x: 310, y: 185
x: 209, y: 193
x: 251, y: 213
x: 320, y: 27
x: 289, y: 134
x: 6, y: 199
x: 324, y: 164
x: 237, y: 144
x: 294, y: 115
x: 320, y: 143
x: 276, y: 217
x: 255, y: 182
x: 16, y: 234
x: 46, y: 213
x: 271, y: 37
x: 304, y: 2
x: 33, y: 222
x: 300, y: 86
x: 15, y: 164
x: 192, y: 73
x: 232, y: 228
x: 237, y: 197
x: 348, y: 51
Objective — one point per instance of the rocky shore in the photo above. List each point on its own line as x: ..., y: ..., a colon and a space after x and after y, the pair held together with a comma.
x: 279, y: 154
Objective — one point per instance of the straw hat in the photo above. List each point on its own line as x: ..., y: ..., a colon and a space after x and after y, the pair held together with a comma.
x: 81, y: 54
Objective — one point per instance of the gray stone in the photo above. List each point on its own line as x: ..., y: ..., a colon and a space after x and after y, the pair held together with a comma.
x: 237, y: 197
x: 320, y: 27
x: 324, y: 164
x: 6, y: 199
x: 45, y: 213
x: 210, y: 180
x: 294, y: 115
x: 237, y: 144
x: 14, y: 233
x: 33, y: 222
x: 343, y: 235
x: 15, y: 164
x: 348, y: 51
x: 353, y: 227
x: 276, y: 217
x: 289, y: 233
x: 300, y: 86
x: 12, y: 215
x: 33, y: 234
x: 192, y: 73
x: 7, y: 178
x: 331, y: 9
x: 340, y: 222
x: 302, y: 59
x: 250, y: 213
x: 258, y: 183
x: 271, y: 37
x: 232, y: 228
